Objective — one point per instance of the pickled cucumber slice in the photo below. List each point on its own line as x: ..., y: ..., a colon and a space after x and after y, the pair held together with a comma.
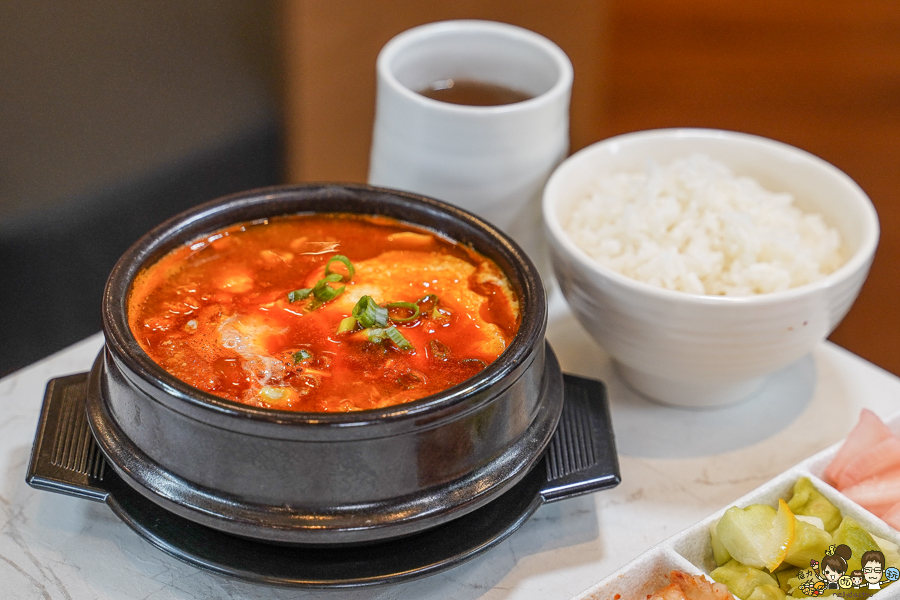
x: 852, y: 533
x: 741, y: 579
x: 810, y: 543
x: 720, y: 553
x: 784, y: 574
x: 767, y: 592
x: 802, y: 576
x: 811, y: 520
x: 890, y: 550
x: 744, y: 532
x: 807, y: 500
x: 757, y: 536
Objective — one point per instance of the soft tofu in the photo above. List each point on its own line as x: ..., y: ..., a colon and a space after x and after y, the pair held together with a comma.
x: 408, y: 275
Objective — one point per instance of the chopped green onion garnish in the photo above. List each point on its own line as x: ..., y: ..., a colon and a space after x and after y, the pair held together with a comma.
x: 397, y: 337
x: 477, y: 361
x: 376, y: 335
x: 324, y: 292
x: 406, y: 305
x: 430, y: 299
x: 439, y: 350
x: 369, y: 314
x: 301, y: 355
x: 341, y: 259
x: 299, y: 294
x: 347, y: 324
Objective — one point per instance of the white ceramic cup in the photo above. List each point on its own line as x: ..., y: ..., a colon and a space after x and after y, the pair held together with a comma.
x: 490, y: 160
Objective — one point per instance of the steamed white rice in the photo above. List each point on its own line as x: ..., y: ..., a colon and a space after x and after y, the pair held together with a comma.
x: 694, y: 226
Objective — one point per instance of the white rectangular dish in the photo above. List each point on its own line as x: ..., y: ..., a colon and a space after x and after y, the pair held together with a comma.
x: 690, y: 550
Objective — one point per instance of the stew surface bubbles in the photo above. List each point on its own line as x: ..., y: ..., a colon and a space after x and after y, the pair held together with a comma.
x: 323, y: 313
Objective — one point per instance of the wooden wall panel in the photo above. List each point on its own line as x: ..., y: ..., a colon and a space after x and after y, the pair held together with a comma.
x: 821, y: 75
x: 330, y: 52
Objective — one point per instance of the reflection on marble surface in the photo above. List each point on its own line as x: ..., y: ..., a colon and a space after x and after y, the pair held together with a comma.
x: 645, y: 428
x: 677, y: 467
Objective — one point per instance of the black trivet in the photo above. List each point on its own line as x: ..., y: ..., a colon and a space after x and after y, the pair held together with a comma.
x: 581, y: 458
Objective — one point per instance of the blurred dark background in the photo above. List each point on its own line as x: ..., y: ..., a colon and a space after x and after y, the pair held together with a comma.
x: 116, y: 115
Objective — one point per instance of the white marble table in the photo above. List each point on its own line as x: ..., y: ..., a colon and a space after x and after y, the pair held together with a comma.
x: 677, y: 467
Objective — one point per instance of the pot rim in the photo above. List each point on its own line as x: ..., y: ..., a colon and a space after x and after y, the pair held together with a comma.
x: 194, y: 222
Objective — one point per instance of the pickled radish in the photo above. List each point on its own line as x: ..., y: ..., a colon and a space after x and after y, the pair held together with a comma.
x: 867, y: 433
x: 877, y: 494
x: 880, y: 458
x: 892, y: 516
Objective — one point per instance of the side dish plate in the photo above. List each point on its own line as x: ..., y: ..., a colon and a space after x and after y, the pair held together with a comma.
x: 690, y: 550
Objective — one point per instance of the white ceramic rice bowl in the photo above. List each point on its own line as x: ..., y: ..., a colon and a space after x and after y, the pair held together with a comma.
x: 695, y: 350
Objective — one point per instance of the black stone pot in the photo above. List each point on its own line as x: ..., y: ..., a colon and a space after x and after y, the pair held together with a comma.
x: 313, y: 478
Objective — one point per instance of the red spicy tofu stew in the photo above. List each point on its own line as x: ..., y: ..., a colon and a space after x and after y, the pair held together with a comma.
x: 322, y: 313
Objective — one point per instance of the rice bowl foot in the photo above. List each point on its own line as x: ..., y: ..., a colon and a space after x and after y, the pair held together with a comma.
x: 687, y: 394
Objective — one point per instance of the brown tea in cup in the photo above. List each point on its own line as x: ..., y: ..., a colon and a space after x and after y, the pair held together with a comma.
x: 473, y: 93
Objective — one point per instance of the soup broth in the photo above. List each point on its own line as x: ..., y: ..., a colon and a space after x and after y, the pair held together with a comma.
x: 323, y: 313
